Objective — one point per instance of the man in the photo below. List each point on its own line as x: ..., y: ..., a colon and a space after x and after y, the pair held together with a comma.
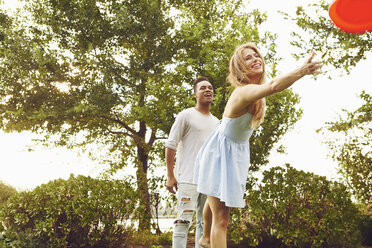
x: 188, y: 133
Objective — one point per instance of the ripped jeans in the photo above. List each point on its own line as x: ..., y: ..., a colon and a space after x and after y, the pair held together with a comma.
x: 188, y: 202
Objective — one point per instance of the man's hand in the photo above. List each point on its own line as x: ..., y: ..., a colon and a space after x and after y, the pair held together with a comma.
x: 172, y: 185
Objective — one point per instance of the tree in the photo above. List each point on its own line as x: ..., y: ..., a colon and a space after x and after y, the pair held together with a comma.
x: 113, y: 73
x: 351, y: 148
x: 338, y: 49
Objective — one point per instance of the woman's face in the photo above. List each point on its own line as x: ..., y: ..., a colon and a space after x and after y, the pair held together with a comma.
x: 253, y: 62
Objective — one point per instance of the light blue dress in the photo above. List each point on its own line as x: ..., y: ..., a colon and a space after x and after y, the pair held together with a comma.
x: 222, y: 164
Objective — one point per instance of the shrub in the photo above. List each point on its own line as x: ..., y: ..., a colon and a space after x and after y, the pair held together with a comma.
x: 6, y: 191
x: 291, y: 208
x: 148, y: 239
x: 78, y: 212
x: 365, y: 227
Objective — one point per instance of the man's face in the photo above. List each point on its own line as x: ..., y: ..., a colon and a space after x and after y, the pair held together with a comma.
x: 204, y: 92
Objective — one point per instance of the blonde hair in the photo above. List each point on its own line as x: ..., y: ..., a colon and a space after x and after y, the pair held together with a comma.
x: 239, y: 76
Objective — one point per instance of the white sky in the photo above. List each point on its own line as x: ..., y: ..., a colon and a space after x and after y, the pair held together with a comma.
x: 322, y: 101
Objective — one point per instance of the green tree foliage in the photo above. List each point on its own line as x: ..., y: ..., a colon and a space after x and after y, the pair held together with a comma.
x: 337, y: 48
x: 114, y: 73
x: 291, y: 208
x: 352, y: 148
x: 6, y: 191
x: 78, y: 212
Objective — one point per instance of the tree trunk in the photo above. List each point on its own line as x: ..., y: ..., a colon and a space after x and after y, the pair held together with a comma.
x: 144, y: 197
x: 143, y: 188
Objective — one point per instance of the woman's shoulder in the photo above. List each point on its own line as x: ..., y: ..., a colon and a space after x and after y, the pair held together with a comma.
x: 235, y: 109
x: 236, y: 104
x: 244, y: 88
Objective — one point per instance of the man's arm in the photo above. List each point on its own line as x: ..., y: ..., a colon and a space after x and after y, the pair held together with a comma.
x: 171, y: 179
x: 176, y: 134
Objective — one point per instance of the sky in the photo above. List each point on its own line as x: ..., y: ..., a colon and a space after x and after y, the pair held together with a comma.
x: 321, y: 101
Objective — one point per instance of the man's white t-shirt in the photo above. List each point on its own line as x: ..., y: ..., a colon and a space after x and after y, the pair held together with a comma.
x: 187, y: 135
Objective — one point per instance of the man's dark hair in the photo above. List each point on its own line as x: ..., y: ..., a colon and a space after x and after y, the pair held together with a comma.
x: 198, y: 80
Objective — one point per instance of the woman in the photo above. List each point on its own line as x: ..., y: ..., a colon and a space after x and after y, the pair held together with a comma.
x: 222, y: 164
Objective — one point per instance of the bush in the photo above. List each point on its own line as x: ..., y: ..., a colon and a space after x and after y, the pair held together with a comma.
x: 292, y: 208
x: 365, y: 227
x: 148, y: 239
x: 78, y: 212
x: 6, y: 191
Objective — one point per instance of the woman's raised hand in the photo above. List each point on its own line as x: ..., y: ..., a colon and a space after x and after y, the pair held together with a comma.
x: 311, y: 67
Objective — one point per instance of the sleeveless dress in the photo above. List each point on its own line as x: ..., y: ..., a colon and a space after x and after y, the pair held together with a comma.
x: 222, y: 164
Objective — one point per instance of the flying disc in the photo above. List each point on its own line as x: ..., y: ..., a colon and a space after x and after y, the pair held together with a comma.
x: 352, y: 16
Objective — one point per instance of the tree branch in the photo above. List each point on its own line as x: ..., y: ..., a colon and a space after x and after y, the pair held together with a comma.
x: 120, y: 133
x: 152, y: 138
x: 126, y: 126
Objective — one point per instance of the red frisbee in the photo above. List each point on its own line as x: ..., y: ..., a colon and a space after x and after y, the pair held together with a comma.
x: 352, y: 16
